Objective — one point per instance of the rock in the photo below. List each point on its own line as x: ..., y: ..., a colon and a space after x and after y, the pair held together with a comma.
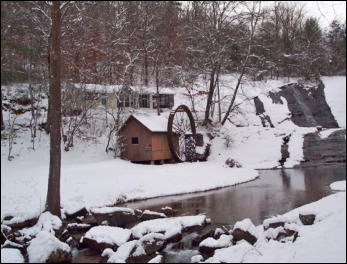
x: 307, y: 105
x: 173, y: 238
x: 76, y: 228
x: 209, y: 245
x: 129, y: 252
x: 274, y: 225
x: 327, y: 151
x: 167, y: 211
x: 72, y: 242
x: 99, y: 246
x: 101, y: 237
x: 59, y: 256
x: 90, y: 220
x: 45, y: 247
x: 307, y: 219
x: 281, y: 234
x: 196, y: 241
x: 81, y: 212
x: 115, y: 216
x: 152, y: 242
x: 239, y: 234
x: 244, y: 230
x: 218, y: 232
x: 21, y: 224
x: 150, y: 215
x: 233, y: 163
x: 138, y: 213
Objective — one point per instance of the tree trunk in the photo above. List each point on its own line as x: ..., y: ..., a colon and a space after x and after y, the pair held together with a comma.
x: 2, y: 118
x: 53, y: 193
x: 210, y: 95
x: 219, y: 103
x: 146, y: 68
x: 157, y: 84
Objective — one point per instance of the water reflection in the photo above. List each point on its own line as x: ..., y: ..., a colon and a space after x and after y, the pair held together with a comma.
x: 275, y: 192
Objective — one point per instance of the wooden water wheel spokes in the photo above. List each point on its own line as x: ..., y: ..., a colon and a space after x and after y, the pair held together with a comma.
x: 182, y: 134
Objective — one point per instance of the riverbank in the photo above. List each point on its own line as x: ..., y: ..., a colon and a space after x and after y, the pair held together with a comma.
x: 106, y: 183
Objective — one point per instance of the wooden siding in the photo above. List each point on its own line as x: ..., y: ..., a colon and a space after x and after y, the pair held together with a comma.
x: 151, y: 145
x: 136, y: 152
x: 160, y: 147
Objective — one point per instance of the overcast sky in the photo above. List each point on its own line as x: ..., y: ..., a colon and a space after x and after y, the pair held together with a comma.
x: 326, y: 11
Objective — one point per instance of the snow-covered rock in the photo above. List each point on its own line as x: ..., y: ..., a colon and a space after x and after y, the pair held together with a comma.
x: 245, y: 230
x: 150, y: 215
x: 46, y: 222
x: 209, y: 245
x: 115, y: 216
x: 171, y: 227
x: 101, y: 237
x: 45, y: 247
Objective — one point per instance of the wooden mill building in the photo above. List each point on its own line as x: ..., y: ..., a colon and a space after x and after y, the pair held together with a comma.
x: 145, y: 139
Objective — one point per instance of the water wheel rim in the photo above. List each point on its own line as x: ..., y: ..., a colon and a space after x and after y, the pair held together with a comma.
x: 182, y: 108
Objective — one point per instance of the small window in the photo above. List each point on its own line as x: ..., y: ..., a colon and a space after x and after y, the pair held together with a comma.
x: 135, y: 140
x: 104, y: 100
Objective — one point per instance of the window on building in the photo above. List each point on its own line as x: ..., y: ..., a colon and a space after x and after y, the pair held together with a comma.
x: 104, y: 100
x: 135, y: 140
x: 144, y: 100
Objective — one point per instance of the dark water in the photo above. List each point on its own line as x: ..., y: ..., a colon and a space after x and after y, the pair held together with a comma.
x: 275, y: 192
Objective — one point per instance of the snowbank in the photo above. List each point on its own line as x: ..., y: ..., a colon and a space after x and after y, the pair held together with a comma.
x: 338, y: 186
x: 11, y: 255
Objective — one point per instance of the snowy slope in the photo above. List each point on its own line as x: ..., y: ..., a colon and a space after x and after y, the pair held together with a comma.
x: 335, y: 94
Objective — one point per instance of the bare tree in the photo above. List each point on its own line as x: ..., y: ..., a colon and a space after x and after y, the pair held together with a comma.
x: 53, y: 193
x: 253, y: 15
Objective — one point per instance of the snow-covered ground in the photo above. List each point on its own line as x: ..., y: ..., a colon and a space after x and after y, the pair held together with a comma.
x: 90, y: 177
x: 335, y: 94
x: 324, y: 241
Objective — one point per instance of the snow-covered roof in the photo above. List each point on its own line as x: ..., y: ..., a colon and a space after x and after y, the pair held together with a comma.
x: 101, y: 88
x: 154, y: 123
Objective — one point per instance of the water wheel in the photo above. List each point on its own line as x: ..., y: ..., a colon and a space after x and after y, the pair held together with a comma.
x: 182, y: 134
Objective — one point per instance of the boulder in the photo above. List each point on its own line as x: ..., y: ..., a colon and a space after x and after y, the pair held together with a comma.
x: 90, y: 220
x: 307, y: 219
x: 240, y: 234
x: 233, y: 163
x: 115, y: 216
x: 173, y: 238
x: 150, y: 215
x: 81, y: 212
x: 209, y: 245
x: 196, y: 241
x: 167, y: 211
x: 94, y: 244
x: 45, y: 247
x: 244, y: 230
x: 152, y: 242
x: 76, y: 228
x: 101, y: 237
